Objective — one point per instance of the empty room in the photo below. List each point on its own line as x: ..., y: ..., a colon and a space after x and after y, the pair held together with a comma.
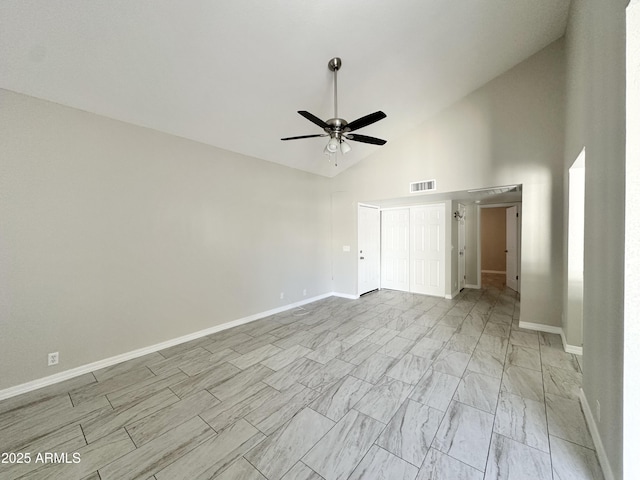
x: 283, y: 240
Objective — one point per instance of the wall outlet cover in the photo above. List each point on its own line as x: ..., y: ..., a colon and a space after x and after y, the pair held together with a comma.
x: 52, y: 359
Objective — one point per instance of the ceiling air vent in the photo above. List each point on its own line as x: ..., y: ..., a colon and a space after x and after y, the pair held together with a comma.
x: 424, y: 186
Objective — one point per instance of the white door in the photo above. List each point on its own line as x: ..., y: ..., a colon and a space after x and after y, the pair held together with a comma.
x: 462, y: 247
x: 512, y: 248
x: 368, y: 248
x: 427, y: 266
x: 394, y: 251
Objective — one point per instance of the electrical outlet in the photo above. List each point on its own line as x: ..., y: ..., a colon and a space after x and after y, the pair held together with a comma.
x: 598, y: 410
x: 281, y: 295
x: 52, y: 359
x: 304, y: 292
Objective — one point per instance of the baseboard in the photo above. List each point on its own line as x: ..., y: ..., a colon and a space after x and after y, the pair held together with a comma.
x: 570, y: 348
x: 493, y: 271
x: 107, y: 362
x: 595, y: 435
x: 474, y: 287
x: 540, y: 327
x: 345, y: 295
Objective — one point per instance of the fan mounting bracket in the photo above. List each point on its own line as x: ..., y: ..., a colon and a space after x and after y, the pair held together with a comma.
x: 334, y: 64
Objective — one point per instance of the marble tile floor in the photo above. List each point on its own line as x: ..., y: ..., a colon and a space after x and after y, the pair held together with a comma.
x: 390, y: 386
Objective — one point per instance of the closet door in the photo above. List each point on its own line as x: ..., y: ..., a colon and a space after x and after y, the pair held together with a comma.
x: 395, y: 249
x: 427, y: 253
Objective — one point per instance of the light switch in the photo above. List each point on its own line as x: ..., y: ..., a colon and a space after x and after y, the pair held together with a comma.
x: 346, y: 248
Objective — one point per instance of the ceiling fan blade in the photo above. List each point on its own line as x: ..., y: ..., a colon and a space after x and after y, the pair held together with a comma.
x: 305, y: 136
x: 365, y: 139
x: 366, y: 120
x: 312, y: 118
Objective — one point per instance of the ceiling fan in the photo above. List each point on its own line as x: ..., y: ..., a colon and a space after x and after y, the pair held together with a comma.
x: 337, y: 128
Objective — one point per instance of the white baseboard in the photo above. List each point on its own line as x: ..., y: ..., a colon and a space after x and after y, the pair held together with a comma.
x: 107, y: 362
x: 540, y: 327
x: 595, y: 435
x: 551, y: 329
x: 493, y: 271
x: 345, y: 295
x: 475, y: 287
x: 570, y: 348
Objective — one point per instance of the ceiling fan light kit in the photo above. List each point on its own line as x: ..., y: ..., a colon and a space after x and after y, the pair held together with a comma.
x: 337, y: 128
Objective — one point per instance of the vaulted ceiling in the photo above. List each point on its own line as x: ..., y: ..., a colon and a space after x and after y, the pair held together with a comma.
x: 233, y: 74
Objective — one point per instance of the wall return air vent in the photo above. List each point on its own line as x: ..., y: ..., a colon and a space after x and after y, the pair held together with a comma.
x: 423, y: 186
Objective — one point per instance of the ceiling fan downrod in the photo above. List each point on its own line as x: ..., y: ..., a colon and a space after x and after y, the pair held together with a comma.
x: 334, y: 65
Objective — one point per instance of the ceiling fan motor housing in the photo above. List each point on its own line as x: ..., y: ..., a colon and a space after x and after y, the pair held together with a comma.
x: 337, y: 125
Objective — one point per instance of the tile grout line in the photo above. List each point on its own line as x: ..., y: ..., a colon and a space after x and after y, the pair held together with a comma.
x: 546, y: 413
x: 495, y: 415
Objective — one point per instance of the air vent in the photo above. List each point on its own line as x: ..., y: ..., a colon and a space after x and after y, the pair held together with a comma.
x: 424, y: 186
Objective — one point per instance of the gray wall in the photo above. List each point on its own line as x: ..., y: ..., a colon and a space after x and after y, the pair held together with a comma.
x: 596, y: 120
x: 632, y: 247
x: 115, y: 237
x: 510, y: 131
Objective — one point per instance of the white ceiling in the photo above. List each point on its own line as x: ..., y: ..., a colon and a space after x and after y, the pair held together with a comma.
x: 233, y: 73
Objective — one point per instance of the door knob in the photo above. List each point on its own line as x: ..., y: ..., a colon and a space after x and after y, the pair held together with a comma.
x: 361, y: 258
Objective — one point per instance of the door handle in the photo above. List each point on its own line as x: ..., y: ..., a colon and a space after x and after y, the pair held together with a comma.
x: 361, y: 258
x: 506, y: 251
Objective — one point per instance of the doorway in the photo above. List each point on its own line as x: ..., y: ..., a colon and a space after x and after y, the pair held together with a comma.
x: 499, y: 243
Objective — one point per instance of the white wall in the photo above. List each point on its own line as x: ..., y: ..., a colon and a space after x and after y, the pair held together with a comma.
x: 115, y: 237
x: 509, y: 131
x: 596, y: 120
x: 572, y: 324
x: 632, y: 249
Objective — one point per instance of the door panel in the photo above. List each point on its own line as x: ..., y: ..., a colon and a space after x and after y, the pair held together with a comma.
x: 427, y: 249
x: 395, y: 249
x: 368, y: 249
x: 512, y: 248
x: 462, y: 248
